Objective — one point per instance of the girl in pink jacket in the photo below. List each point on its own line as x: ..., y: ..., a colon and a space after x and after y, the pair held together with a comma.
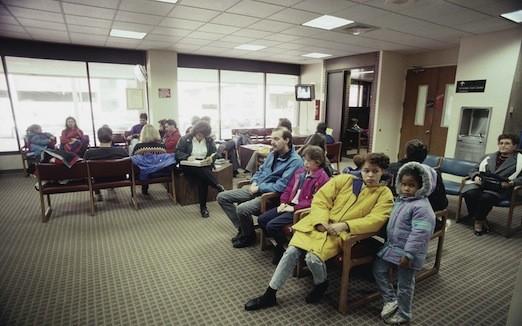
x: 297, y: 195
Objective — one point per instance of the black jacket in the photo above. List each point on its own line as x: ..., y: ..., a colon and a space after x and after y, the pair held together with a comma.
x: 184, y: 148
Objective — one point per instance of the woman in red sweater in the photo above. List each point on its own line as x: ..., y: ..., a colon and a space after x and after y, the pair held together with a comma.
x: 72, y: 139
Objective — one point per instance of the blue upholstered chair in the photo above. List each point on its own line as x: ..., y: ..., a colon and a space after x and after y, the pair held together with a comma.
x: 433, y: 160
x: 460, y: 168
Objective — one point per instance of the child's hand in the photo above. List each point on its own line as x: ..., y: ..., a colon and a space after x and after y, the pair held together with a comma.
x: 288, y: 208
x: 405, y: 262
x: 281, y: 208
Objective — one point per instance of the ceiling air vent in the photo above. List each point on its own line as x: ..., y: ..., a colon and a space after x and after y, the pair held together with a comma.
x: 356, y: 29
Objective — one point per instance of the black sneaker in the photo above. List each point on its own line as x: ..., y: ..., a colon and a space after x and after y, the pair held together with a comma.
x: 236, y: 237
x: 245, y: 241
x: 317, y: 293
x: 204, y: 212
x: 220, y: 188
x: 261, y: 302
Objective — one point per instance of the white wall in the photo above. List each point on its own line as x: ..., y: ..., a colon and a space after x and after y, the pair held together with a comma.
x: 441, y: 58
x: 311, y: 74
x: 162, y: 67
x: 388, y: 104
x: 11, y: 162
x: 493, y: 57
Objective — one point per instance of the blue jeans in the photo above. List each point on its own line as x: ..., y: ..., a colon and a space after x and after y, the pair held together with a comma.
x: 273, y: 222
x: 405, y: 285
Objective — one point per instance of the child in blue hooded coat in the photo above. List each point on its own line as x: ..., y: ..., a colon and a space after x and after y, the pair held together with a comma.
x: 409, y: 230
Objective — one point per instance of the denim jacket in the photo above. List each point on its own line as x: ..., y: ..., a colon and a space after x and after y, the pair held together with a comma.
x: 276, y: 171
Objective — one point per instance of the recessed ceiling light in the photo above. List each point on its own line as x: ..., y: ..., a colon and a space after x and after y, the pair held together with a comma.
x: 250, y: 47
x: 327, y: 22
x: 127, y: 34
x: 515, y: 16
x: 169, y: 1
x: 316, y: 55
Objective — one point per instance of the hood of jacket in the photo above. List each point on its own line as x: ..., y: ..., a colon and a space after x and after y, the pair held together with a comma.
x: 427, y: 173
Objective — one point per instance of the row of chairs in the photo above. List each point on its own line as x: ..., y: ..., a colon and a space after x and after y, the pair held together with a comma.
x: 462, y: 169
x: 91, y: 176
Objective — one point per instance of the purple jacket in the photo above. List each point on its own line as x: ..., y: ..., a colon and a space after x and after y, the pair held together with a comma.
x: 310, y: 185
x: 412, y: 221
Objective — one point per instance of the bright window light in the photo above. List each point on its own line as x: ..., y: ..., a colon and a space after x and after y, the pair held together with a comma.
x: 327, y: 22
x: 515, y: 16
x: 169, y: 1
x: 316, y: 55
x: 127, y: 34
x: 250, y: 47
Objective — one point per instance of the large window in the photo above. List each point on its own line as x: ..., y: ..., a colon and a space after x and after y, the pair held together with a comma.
x: 7, y: 127
x: 235, y: 99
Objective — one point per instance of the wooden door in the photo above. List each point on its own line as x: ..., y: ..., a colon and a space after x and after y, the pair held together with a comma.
x: 334, y: 102
x: 430, y: 82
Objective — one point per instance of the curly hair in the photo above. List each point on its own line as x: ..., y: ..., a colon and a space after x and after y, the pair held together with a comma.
x: 379, y: 159
x: 201, y: 127
x: 514, y: 138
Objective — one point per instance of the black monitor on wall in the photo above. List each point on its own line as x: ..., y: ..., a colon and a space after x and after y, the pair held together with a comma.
x: 304, y: 92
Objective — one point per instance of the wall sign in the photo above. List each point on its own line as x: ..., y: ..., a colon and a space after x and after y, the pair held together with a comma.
x: 163, y: 92
x: 471, y: 86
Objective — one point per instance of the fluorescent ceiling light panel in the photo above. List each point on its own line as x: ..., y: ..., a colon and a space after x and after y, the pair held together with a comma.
x: 316, y: 55
x: 127, y: 34
x: 515, y: 16
x: 169, y: 1
x: 250, y: 47
x: 327, y: 22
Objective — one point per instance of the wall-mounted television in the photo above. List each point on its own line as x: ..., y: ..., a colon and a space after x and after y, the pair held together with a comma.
x: 304, y: 92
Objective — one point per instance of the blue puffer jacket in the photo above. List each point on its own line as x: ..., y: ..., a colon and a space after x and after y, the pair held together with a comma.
x: 276, y: 179
x: 152, y: 163
x: 412, y: 221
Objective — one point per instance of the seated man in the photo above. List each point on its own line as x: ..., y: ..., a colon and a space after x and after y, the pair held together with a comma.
x: 105, y: 151
x: 136, y: 129
x: 272, y: 176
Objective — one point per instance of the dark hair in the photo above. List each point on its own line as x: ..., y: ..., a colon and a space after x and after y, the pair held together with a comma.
x: 286, y: 135
x: 416, y: 151
x: 33, y: 128
x: 514, y: 138
x: 315, y: 153
x: 201, y: 127
x: 171, y: 122
x: 321, y: 128
x: 144, y: 116
x: 358, y: 160
x: 379, y: 159
x: 415, y: 173
x: 284, y: 122
x: 72, y: 118
x: 162, y: 122
x: 105, y: 134
x: 317, y: 139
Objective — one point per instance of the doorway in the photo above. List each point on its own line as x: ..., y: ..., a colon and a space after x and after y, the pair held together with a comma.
x: 427, y: 97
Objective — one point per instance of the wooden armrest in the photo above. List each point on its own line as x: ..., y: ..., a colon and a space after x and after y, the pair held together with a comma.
x: 300, y: 214
x: 269, y: 195
x: 243, y: 183
x: 354, y: 238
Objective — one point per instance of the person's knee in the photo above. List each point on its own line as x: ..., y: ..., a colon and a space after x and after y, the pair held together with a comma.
x: 243, y: 210
x: 312, y: 259
x: 272, y: 227
x: 222, y: 198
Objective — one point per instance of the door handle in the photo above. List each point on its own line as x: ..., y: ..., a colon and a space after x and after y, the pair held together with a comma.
x: 427, y: 132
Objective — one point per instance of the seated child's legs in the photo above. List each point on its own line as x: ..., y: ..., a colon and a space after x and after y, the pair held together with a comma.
x: 274, y: 228
x: 266, y: 217
x: 285, y: 267
x: 405, y: 289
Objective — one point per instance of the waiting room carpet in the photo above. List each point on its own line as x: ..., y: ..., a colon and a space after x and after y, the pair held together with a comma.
x: 165, y: 265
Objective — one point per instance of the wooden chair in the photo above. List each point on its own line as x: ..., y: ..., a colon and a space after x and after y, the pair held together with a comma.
x: 25, y: 163
x: 333, y: 153
x: 104, y: 174
x: 168, y: 180
x: 360, y: 250
x: 119, y: 140
x: 268, y: 201
x: 49, y: 178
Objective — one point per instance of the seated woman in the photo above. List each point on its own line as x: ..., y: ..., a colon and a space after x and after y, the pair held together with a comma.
x: 198, y: 145
x: 149, y: 143
x: 297, y: 195
x: 172, y: 135
x: 493, y: 181
x: 321, y: 129
x: 344, y: 205
x: 72, y: 139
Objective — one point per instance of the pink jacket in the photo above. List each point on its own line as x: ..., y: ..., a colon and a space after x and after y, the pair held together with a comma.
x: 310, y: 186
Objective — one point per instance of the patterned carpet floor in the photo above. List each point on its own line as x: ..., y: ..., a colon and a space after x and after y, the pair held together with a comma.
x: 165, y: 265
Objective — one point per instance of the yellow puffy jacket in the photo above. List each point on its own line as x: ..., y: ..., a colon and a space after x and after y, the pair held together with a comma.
x: 336, y: 202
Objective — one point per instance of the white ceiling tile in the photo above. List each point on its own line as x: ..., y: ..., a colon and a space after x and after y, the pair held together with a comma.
x: 132, y: 27
x: 219, y: 5
x: 8, y: 20
x: 181, y: 48
x: 222, y: 44
x: 294, y: 16
x: 206, y: 36
x: 214, y: 28
x: 302, y: 31
x: 272, y: 50
x: 289, y: 46
x: 120, y: 42
x: 48, y: 34
x: 193, y: 41
x: 267, y: 43
x: 487, y: 25
x: 14, y: 34
x: 88, y: 30
x: 237, y: 39
x: 170, y: 31
x: 281, y: 37
x: 147, y: 7
x: 234, y: 20
x: 192, y: 13
x: 113, y: 4
x: 402, y: 38
x: 323, y: 6
x: 11, y: 28
x: 80, y: 10
x: 41, y: 24
x: 251, y: 33
x: 180, y: 23
x: 255, y: 9
x: 186, y: 45
x: 88, y: 39
x: 46, y: 5
x: 127, y: 16
x: 362, y: 14
x: 88, y: 21
x: 19, y: 12
x: 150, y: 45
x: 162, y: 38
x: 495, y: 8
x: 286, y: 3
x: 270, y: 26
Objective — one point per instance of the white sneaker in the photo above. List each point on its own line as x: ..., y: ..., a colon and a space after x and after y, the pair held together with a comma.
x: 389, y: 309
x: 396, y: 319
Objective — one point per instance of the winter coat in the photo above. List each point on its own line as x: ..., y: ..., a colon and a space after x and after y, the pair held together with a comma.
x: 275, y: 172
x: 171, y: 140
x: 184, y: 147
x: 310, y: 186
x: 37, y: 142
x: 336, y: 202
x: 149, y: 164
x: 412, y: 221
